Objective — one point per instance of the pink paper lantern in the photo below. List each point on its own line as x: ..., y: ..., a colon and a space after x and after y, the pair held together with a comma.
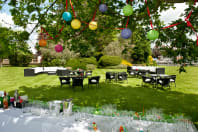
x: 59, y: 48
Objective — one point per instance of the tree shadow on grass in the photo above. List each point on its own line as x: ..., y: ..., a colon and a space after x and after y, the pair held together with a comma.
x: 125, y: 97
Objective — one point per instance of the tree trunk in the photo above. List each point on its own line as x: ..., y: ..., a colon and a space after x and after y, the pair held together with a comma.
x: 1, y: 62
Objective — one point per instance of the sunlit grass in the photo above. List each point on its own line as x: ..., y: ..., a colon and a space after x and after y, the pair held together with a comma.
x: 128, y: 96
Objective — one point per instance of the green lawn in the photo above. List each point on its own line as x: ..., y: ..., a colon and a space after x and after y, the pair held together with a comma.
x: 131, y: 96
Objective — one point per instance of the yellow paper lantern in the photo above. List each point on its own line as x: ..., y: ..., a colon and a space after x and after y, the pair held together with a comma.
x: 76, y: 24
x: 93, y: 25
x: 42, y: 43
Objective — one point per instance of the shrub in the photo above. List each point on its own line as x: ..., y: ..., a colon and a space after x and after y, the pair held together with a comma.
x: 20, y: 58
x: 98, y: 55
x: 90, y: 60
x: 90, y: 66
x: 56, y: 62
x: 121, y: 66
x: 76, y: 63
x: 110, y: 60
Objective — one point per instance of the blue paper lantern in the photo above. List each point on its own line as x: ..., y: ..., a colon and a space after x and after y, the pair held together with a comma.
x: 67, y: 16
x: 126, y: 33
x: 103, y: 8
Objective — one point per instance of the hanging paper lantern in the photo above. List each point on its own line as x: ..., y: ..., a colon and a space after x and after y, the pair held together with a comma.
x: 67, y: 16
x: 93, y: 25
x: 103, y: 8
x: 152, y: 35
x: 42, y: 43
x: 76, y: 24
x: 59, y: 48
x: 128, y: 10
x: 126, y: 33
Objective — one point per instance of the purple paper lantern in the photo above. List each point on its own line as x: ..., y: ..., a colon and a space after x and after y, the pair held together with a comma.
x: 59, y: 48
x: 103, y: 8
x: 126, y: 33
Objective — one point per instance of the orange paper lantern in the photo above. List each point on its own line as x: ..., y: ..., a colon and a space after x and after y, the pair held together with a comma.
x: 42, y: 43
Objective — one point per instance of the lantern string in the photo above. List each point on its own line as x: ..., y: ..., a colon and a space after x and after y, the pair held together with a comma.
x: 171, y: 25
x: 148, y: 11
x: 127, y: 22
x: 72, y: 8
x: 186, y: 19
x: 66, y: 4
x: 94, y: 15
x: 41, y: 34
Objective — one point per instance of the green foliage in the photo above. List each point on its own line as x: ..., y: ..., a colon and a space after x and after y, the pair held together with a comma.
x: 76, y: 63
x: 109, y: 60
x: 86, y: 42
x: 56, y: 62
x: 142, y: 50
x: 97, y: 55
x: 91, y: 66
x: 90, y: 60
x: 20, y: 58
x: 24, y: 36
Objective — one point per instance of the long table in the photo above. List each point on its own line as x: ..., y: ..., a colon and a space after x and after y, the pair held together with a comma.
x: 14, y: 120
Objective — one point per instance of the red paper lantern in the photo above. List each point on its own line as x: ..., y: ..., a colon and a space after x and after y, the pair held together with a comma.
x: 42, y: 43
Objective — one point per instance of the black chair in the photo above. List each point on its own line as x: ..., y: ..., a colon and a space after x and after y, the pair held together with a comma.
x: 88, y: 73
x: 122, y: 76
x: 110, y: 76
x: 142, y: 73
x: 164, y: 82
x: 94, y: 80
x: 77, y: 81
x: 62, y: 72
x: 129, y: 68
x: 147, y: 79
x: 64, y: 80
x: 72, y: 73
x: 160, y: 70
x: 173, y: 79
x: 133, y: 73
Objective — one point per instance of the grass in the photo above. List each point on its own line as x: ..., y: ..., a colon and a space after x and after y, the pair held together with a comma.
x: 127, y: 96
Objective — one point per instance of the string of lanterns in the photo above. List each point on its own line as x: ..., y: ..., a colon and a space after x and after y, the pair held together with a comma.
x: 125, y: 33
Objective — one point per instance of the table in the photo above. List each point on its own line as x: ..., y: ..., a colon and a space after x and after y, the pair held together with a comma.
x: 14, y: 120
x: 158, y: 76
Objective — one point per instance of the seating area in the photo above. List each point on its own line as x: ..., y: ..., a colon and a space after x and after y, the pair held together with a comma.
x: 116, y: 76
x: 49, y: 70
x: 142, y: 70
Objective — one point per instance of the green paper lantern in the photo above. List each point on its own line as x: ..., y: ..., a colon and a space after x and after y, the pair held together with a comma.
x: 128, y: 10
x: 152, y: 35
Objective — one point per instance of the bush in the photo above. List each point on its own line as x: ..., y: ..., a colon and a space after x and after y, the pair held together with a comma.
x: 90, y: 60
x: 121, y: 66
x: 56, y: 62
x: 90, y: 67
x: 76, y: 63
x: 109, y: 60
x: 20, y: 58
x: 98, y: 55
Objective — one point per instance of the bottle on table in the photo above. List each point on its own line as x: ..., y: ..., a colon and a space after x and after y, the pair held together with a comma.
x: 1, y: 102
x: 5, y: 101
x: 16, y: 98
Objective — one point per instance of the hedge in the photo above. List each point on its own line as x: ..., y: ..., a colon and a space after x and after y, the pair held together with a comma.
x: 109, y: 60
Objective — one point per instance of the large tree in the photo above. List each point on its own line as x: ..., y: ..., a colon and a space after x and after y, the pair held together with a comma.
x: 49, y: 15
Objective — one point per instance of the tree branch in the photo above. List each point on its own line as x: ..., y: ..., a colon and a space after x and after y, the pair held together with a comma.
x: 42, y: 16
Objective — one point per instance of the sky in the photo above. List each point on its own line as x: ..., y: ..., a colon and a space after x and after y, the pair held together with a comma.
x: 6, y: 21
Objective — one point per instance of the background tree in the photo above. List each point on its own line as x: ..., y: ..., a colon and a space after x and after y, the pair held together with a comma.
x: 178, y: 40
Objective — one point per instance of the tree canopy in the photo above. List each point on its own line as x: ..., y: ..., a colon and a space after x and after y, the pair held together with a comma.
x: 48, y: 14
